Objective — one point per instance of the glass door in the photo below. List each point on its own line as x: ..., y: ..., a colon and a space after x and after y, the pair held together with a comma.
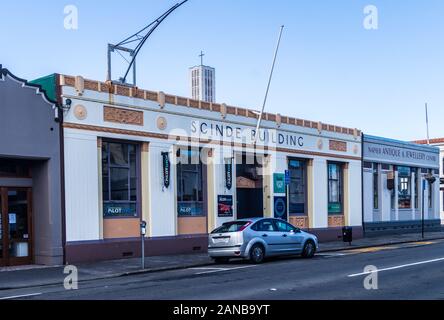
x: 2, y: 230
x: 16, y: 226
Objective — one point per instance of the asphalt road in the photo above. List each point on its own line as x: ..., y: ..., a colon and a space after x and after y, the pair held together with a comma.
x: 412, y: 271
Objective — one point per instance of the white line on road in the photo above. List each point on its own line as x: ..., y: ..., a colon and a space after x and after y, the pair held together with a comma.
x: 213, y: 270
x: 396, y: 267
x: 20, y: 296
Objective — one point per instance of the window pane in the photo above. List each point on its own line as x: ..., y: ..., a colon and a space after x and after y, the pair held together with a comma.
x: 119, y: 154
x: 190, y: 186
x: 334, y: 191
x: 119, y: 184
x: 297, y: 187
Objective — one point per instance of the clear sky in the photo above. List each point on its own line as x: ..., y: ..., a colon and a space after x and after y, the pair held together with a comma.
x: 330, y: 68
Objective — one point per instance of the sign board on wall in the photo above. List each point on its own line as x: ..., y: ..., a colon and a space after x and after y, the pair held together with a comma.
x: 401, y: 155
x: 225, y: 206
x: 279, y: 183
x: 280, y: 208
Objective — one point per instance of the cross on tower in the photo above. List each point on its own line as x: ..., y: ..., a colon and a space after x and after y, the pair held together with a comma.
x: 201, y: 58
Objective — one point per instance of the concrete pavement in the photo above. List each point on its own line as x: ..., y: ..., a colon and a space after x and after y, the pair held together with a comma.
x: 25, y: 277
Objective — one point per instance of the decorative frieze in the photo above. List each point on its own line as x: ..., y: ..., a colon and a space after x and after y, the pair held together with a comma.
x: 335, y: 145
x: 118, y: 115
x: 336, y: 221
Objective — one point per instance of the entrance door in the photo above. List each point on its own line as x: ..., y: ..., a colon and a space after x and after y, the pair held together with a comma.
x: 249, y: 187
x: 15, y: 226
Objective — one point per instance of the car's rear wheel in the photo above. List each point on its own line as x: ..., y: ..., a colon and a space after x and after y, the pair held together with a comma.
x: 257, y: 254
x: 221, y: 260
x: 309, y: 249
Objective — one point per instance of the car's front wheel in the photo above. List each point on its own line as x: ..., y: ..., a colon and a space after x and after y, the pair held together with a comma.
x: 257, y: 254
x: 309, y: 249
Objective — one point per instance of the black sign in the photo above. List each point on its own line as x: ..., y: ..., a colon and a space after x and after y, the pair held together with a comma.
x: 229, y: 174
x: 166, y: 169
x: 280, y: 208
x: 225, y: 206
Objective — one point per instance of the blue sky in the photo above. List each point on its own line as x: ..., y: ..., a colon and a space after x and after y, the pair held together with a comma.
x: 330, y: 68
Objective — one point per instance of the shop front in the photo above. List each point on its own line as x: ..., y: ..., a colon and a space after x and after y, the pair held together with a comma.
x: 31, y: 228
x: 398, y: 193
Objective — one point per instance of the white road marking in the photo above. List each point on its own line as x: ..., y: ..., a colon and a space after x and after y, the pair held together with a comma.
x: 331, y: 254
x: 397, y: 267
x: 214, y: 270
x: 20, y: 296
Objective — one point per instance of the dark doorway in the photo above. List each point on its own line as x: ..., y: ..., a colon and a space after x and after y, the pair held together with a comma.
x: 249, y: 187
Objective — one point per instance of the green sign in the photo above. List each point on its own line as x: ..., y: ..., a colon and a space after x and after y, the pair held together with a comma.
x: 334, y: 207
x: 279, y: 183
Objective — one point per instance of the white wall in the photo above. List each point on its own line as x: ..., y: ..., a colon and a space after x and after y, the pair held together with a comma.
x: 81, y: 187
x: 161, y: 200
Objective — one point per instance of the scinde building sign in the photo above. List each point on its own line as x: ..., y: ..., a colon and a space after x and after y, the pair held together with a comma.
x: 376, y: 150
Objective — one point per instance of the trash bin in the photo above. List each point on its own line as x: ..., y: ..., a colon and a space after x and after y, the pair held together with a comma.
x: 347, y: 234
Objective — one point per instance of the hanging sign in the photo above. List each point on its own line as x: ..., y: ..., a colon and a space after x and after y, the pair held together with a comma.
x: 225, y: 206
x: 228, y: 173
x: 166, y: 169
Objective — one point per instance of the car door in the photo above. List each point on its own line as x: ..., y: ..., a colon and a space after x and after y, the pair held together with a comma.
x: 290, y: 237
x: 266, y: 229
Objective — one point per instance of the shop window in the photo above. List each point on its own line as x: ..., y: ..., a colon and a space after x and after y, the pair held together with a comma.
x: 14, y: 168
x: 375, y: 187
x: 430, y: 193
x: 298, y: 187
x: 417, y: 182
x: 404, y: 188
x: 335, y: 189
x: 190, y: 197
x: 119, y: 179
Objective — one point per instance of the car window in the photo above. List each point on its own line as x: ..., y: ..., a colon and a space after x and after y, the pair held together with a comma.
x: 233, y: 226
x: 283, y: 226
x: 264, y: 225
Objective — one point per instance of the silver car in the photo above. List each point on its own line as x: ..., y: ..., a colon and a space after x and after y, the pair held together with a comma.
x: 258, y: 238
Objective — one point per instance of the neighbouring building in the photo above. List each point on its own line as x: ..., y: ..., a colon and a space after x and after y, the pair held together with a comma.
x: 31, y: 220
x: 186, y: 166
x: 439, y: 143
x: 395, y: 191
x: 203, y: 83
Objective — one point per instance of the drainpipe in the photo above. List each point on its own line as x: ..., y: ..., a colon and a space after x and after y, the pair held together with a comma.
x: 62, y: 164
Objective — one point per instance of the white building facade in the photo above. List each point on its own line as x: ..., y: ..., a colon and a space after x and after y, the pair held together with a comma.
x: 186, y: 166
x: 395, y: 191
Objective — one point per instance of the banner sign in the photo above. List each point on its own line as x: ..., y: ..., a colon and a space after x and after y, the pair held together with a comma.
x: 166, y: 164
x: 225, y: 206
x: 228, y: 173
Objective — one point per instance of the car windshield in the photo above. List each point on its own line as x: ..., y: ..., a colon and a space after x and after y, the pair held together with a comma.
x: 234, y: 226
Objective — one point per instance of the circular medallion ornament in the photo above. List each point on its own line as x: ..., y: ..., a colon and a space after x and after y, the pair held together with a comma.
x: 161, y: 123
x: 320, y: 144
x: 80, y: 112
x: 355, y: 149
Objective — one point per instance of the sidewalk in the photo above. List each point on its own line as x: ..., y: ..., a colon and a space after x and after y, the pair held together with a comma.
x: 31, y: 276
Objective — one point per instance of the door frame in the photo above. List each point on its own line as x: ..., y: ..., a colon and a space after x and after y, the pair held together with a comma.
x: 6, y: 260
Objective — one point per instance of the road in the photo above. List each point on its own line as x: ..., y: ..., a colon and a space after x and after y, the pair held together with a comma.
x: 410, y: 271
